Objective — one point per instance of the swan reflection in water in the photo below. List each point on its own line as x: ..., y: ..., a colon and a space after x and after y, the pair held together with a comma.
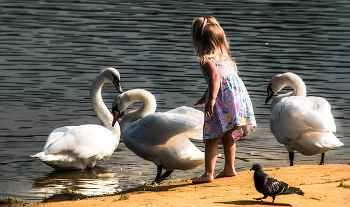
x: 96, y: 181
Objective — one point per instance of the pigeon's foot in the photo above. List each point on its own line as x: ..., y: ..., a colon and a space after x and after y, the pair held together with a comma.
x: 226, y: 174
x: 203, y: 179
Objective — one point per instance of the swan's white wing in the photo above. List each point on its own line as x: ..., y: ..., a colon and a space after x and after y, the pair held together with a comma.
x: 56, y: 134
x: 188, y: 111
x: 321, y: 111
x: 162, y: 139
x: 83, y: 142
x: 197, y: 132
x: 294, y: 115
x: 158, y: 128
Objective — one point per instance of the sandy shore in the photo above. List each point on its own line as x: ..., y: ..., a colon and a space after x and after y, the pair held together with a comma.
x: 320, y: 184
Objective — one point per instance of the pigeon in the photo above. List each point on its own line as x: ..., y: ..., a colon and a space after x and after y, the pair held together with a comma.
x: 270, y: 186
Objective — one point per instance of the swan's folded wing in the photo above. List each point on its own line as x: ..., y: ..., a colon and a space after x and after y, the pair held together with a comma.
x: 160, y: 127
x: 56, y: 134
x: 83, y: 142
x: 188, y: 111
x: 320, y: 110
x: 197, y: 132
x: 294, y: 115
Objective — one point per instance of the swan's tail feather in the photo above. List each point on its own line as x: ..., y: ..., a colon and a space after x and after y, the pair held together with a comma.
x: 195, y: 134
x: 69, y: 162
x: 198, y: 157
x: 52, y: 157
x: 325, y: 139
x: 311, y: 143
x: 39, y: 155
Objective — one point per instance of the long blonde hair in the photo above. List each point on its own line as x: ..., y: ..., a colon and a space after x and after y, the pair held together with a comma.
x: 210, y: 40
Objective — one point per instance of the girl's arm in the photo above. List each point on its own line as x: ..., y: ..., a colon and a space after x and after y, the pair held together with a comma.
x: 214, y: 84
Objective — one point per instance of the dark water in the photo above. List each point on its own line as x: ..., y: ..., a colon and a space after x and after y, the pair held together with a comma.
x: 50, y: 51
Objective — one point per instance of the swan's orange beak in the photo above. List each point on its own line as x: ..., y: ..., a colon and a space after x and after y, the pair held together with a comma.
x: 117, y: 116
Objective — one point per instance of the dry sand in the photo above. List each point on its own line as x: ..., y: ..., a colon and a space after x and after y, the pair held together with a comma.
x: 320, y: 184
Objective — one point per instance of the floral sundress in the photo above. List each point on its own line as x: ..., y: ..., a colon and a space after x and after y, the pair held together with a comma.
x: 232, y: 105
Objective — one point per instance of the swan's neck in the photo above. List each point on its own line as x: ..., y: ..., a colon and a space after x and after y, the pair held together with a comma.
x: 97, y: 102
x: 299, y: 88
x: 298, y: 85
x: 149, y: 106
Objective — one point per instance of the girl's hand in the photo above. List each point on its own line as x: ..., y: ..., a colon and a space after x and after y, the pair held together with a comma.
x: 200, y: 102
x: 209, y: 107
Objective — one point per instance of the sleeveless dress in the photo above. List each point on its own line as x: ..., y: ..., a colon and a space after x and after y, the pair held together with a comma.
x: 232, y: 105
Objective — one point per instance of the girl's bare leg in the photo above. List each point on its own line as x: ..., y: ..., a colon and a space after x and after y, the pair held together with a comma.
x: 229, y: 146
x: 211, y: 155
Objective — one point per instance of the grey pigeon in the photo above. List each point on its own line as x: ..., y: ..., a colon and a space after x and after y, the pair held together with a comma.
x: 270, y: 186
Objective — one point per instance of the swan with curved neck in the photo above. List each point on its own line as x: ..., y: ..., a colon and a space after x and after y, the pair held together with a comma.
x: 161, y: 138
x: 126, y: 99
x: 84, y: 146
x: 301, y: 123
x: 282, y: 80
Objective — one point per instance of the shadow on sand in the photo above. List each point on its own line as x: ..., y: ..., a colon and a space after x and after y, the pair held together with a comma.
x: 253, y: 202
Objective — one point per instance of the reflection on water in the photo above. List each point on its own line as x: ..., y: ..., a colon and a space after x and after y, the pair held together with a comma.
x: 97, y: 181
x: 50, y: 51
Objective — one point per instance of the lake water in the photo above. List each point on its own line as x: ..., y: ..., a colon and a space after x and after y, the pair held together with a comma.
x: 50, y: 51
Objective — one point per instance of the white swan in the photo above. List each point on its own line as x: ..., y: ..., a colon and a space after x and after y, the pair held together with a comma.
x: 162, y: 138
x: 84, y: 146
x: 301, y: 123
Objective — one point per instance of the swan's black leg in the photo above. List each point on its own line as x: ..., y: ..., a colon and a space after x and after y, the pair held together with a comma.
x: 291, y: 158
x: 322, y: 159
x: 165, y: 175
x: 159, y: 172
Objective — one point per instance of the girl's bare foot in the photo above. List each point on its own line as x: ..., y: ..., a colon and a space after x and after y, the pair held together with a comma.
x: 203, y: 179
x: 226, y: 174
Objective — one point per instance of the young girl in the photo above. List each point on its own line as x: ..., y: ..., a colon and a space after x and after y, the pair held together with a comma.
x: 228, y: 112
